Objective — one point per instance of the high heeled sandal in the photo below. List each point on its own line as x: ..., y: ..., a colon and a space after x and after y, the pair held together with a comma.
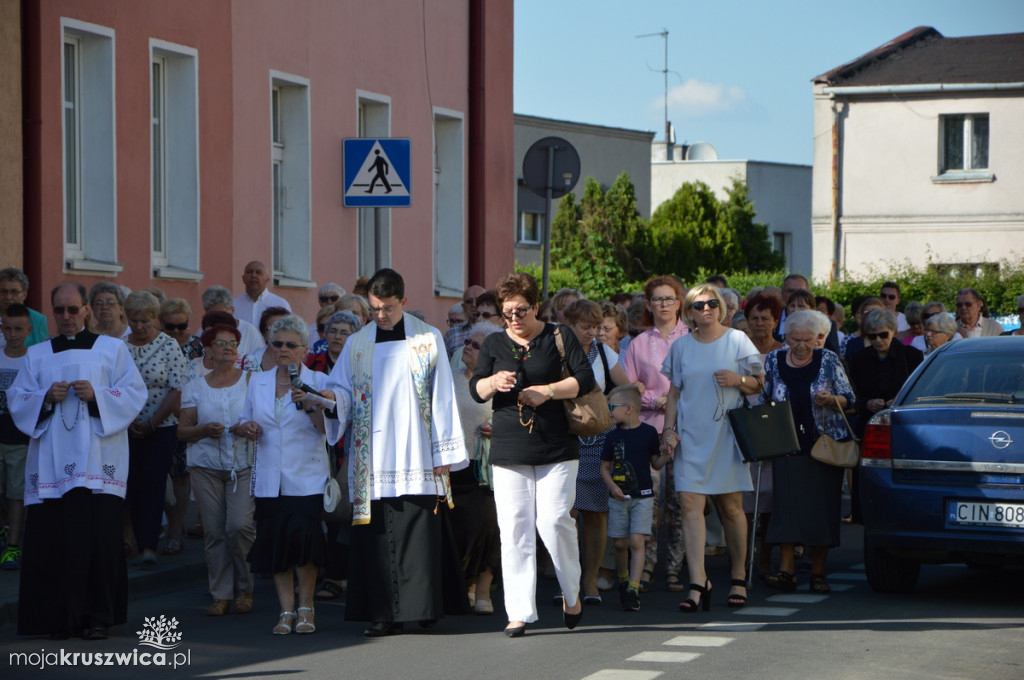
x: 674, y: 584
x: 704, y: 602
x: 646, y: 579
x: 305, y: 623
x: 735, y: 600
x: 819, y: 584
x: 284, y: 624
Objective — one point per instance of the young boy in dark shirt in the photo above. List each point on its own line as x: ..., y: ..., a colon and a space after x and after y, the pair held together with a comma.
x: 630, y: 509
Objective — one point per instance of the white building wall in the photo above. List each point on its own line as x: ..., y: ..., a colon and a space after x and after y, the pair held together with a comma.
x: 891, y: 207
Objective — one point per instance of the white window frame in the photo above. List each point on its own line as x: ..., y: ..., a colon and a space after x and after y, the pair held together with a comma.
x: 449, y: 202
x: 92, y: 202
x: 373, y: 225
x: 967, y: 172
x: 291, y: 165
x: 175, y: 197
x: 521, y: 229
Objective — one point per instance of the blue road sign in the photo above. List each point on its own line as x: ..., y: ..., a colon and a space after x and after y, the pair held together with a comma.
x: 377, y: 173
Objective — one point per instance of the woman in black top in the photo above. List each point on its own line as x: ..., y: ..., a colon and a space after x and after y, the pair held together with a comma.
x: 534, y: 455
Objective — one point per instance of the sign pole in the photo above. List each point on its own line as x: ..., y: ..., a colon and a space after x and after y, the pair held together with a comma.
x: 547, y: 222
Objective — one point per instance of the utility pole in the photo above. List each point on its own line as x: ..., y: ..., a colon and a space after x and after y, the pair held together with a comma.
x: 668, y: 130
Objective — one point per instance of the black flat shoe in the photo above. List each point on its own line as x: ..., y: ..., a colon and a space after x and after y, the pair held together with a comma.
x: 59, y: 635
x: 427, y: 624
x: 572, y: 620
x: 95, y: 633
x: 383, y: 629
x: 735, y: 600
x: 515, y: 631
x: 703, y: 602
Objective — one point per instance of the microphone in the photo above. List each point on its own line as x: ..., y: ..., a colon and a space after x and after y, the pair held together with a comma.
x: 293, y: 373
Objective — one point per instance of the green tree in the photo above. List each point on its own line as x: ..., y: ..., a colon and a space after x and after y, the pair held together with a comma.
x: 738, y: 214
x: 687, y: 232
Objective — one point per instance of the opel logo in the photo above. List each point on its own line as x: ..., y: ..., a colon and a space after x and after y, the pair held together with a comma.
x: 1000, y: 439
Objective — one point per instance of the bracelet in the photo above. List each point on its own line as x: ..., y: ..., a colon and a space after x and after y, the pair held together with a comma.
x: 668, y: 429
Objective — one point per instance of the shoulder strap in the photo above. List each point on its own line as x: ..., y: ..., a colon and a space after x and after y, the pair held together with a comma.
x: 608, y: 384
x: 561, y: 350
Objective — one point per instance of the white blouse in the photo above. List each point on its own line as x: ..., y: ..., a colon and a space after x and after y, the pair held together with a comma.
x: 217, y: 405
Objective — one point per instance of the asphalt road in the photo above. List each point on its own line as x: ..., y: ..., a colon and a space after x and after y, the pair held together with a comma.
x: 959, y: 623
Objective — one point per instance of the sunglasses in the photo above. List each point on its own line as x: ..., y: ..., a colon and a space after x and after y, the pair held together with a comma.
x: 888, y: 296
x: 175, y: 326
x: 486, y: 315
x: 518, y: 313
x: 328, y: 299
x: 876, y: 336
x: 281, y: 343
x: 612, y: 405
x: 454, y: 322
x: 226, y: 343
x: 699, y: 304
x: 70, y: 309
x: 472, y: 343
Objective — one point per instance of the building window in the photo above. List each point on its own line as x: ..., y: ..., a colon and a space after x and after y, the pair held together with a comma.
x: 780, y: 244
x: 374, y: 230
x: 531, y: 228
x: 449, y: 204
x: 291, y: 199
x: 964, y: 142
x: 90, y: 190
x: 175, y: 161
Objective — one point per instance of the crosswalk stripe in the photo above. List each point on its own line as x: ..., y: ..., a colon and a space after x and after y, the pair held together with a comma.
x: 847, y: 576
x: 665, y: 657
x: 841, y: 587
x: 767, y: 611
x: 797, y: 598
x: 698, y: 641
x: 622, y: 674
x: 728, y: 626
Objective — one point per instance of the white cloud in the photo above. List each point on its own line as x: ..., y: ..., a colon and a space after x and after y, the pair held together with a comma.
x: 695, y: 99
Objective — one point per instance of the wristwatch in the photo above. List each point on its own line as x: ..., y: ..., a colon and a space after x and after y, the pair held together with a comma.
x: 743, y: 380
x: 551, y: 392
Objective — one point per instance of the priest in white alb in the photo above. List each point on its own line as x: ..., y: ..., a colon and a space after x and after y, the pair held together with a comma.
x: 75, y: 397
x: 406, y: 436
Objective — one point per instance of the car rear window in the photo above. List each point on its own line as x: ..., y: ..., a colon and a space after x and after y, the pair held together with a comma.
x: 970, y: 379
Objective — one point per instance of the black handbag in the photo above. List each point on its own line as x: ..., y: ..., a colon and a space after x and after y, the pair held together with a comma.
x: 764, y: 431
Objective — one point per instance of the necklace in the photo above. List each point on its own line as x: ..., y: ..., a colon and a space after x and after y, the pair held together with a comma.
x: 78, y: 410
x: 791, y: 362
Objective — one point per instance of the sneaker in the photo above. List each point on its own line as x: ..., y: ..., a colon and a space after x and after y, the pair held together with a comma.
x: 11, y: 558
x: 631, y: 601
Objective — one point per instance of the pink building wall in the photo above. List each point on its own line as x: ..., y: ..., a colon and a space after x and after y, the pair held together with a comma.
x: 386, y: 47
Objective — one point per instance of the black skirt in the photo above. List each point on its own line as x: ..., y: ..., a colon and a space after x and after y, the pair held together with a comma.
x: 288, y: 533
x: 475, y: 524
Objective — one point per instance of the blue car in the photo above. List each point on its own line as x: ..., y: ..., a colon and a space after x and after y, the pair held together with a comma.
x: 942, y: 470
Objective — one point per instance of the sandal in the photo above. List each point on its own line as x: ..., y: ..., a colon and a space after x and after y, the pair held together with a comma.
x: 780, y: 580
x: 646, y: 580
x: 284, y: 624
x: 328, y: 590
x: 674, y: 584
x: 174, y: 547
x: 305, y: 624
x: 735, y: 600
x: 819, y: 584
x: 703, y: 602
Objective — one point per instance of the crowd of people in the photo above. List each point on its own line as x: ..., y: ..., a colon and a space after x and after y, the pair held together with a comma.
x: 453, y: 450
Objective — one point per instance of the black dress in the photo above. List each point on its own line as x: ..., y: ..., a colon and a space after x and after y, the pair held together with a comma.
x: 806, y: 494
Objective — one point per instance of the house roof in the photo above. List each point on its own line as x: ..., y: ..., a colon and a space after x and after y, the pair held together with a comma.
x: 924, y: 56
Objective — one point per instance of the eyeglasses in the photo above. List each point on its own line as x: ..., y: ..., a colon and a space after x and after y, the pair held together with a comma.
x: 877, y: 336
x: 612, y: 405
x: 104, y: 303
x: 927, y: 315
x: 11, y: 292
x: 455, y: 322
x: 329, y: 299
x: 472, y: 343
x: 281, y: 343
x: 338, y: 331
x: 969, y: 303
x: 547, y: 318
x: 176, y: 326
x: 664, y: 301
x: 233, y: 344
x: 486, y: 315
x: 518, y: 312
x: 888, y: 296
x: 72, y: 310
x: 699, y: 304
x: 387, y: 309
x: 932, y: 331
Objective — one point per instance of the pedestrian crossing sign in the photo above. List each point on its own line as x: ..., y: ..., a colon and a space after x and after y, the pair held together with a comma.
x: 377, y: 173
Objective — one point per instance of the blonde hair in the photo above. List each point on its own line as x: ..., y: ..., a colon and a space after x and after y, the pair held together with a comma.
x: 703, y: 289
x: 630, y: 395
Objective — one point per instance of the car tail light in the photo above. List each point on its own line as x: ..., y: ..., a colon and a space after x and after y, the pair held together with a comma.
x: 877, y: 441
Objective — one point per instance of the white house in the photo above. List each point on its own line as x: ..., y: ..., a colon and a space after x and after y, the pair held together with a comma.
x: 919, y: 155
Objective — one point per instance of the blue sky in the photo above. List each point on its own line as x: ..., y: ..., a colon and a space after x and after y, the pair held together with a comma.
x: 742, y: 68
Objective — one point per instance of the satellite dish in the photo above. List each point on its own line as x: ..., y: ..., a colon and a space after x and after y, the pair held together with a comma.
x: 701, y: 151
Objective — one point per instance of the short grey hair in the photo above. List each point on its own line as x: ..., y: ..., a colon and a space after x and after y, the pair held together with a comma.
x: 936, y: 303
x: 14, y: 274
x: 879, y: 320
x: 913, y: 312
x: 218, y: 295
x: 344, y: 316
x: 803, y: 320
x: 483, y: 328
x: 291, y: 324
x: 943, y: 323
x: 732, y: 297
x: 457, y: 309
x: 142, y: 302
x: 329, y: 288
x: 102, y: 287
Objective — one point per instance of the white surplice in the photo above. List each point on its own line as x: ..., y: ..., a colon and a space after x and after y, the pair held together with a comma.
x: 404, y: 452
x: 69, y: 448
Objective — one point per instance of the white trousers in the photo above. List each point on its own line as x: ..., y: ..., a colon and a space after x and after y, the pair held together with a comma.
x: 532, y: 499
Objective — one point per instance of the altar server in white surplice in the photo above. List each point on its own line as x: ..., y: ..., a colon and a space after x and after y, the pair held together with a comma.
x: 406, y: 437
x: 75, y: 397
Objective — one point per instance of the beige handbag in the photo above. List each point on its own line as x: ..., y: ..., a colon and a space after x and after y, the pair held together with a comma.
x: 587, y: 414
x: 840, y: 454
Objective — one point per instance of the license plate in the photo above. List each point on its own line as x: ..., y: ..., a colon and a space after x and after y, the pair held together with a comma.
x: 985, y: 514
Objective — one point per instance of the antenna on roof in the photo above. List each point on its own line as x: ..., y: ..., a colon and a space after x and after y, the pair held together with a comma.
x: 669, y: 132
